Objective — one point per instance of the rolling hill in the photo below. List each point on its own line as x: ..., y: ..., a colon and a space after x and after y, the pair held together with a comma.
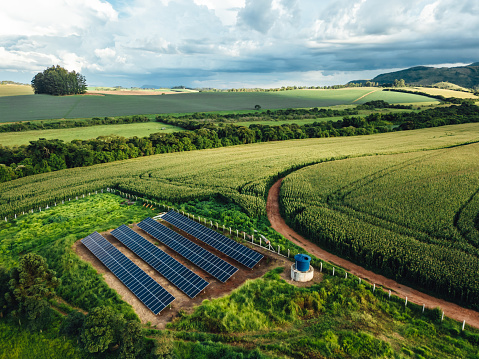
x: 465, y: 76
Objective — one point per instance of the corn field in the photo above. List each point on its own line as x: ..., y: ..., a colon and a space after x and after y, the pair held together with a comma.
x: 412, y: 216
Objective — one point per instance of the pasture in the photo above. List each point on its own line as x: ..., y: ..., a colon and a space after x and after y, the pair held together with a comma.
x: 15, y: 90
x: 36, y: 107
x: 142, y: 129
x: 444, y: 92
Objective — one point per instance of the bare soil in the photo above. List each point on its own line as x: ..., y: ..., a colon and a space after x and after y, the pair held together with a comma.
x: 215, y: 289
x: 451, y: 310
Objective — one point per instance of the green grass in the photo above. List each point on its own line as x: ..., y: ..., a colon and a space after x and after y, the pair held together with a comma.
x: 335, y: 318
x: 19, y: 343
x: 51, y: 233
x: 35, y: 107
x: 15, y: 90
x: 142, y: 129
x: 391, y: 97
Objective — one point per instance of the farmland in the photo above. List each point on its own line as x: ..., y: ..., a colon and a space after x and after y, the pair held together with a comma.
x: 143, y: 129
x: 15, y: 90
x: 269, y: 314
x: 415, y: 232
x: 240, y: 174
x: 35, y: 107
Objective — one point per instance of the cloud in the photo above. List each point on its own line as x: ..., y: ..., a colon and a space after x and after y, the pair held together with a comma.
x: 249, y: 41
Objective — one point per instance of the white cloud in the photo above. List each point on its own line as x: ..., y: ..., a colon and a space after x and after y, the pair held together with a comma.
x: 222, y: 40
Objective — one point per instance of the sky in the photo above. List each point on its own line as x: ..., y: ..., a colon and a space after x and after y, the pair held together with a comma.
x: 234, y: 43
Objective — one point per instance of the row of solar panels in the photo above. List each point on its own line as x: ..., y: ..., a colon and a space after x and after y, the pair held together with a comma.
x: 155, y: 297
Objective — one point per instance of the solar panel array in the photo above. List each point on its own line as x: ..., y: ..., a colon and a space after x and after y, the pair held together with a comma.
x: 231, y: 248
x: 199, y: 256
x: 153, y: 295
x: 187, y: 281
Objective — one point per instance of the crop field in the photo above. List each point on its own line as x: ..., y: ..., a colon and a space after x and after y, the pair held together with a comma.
x: 390, y: 96
x: 15, y: 90
x: 410, y: 215
x: 444, y: 92
x: 241, y: 174
x: 35, y: 107
x: 142, y: 129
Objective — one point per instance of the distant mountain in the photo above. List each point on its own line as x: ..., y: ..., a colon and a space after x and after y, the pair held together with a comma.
x: 465, y: 76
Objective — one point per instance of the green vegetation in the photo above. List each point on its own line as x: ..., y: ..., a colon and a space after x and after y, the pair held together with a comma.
x: 51, y: 233
x: 50, y: 155
x: 57, y: 81
x: 17, y: 342
x: 423, y: 231
x: 15, y: 90
x: 84, y: 133
x: 240, y: 174
x: 28, y: 108
x: 335, y: 318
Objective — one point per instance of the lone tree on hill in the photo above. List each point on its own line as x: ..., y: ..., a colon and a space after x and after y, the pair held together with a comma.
x: 58, y: 81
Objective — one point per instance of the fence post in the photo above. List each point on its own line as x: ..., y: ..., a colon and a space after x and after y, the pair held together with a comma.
x: 405, y: 303
x: 244, y: 236
x: 321, y: 267
x: 346, y: 275
x: 237, y: 234
x: 260, y: 241
x: 288, y: 249
x: 333, y: 270
x: 374, y: 287
x: 359, y: 280
x: 252, y: 238
x: 442, y: 317
x: 278, y: 249
x: 463, y: 324
x: 389, y: 293
x: 423, y: 306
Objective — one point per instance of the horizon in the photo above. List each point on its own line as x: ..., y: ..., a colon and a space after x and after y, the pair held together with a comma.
x: 234, y: 43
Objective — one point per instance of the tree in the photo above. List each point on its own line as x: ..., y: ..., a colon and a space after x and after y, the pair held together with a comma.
x: 101, y: 329
x: 31, y: 284
x: 132, y: 343
x: 58, y: 81
x: 257, y: 107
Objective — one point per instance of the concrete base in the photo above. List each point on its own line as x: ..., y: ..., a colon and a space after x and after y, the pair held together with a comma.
x: 299, y: 276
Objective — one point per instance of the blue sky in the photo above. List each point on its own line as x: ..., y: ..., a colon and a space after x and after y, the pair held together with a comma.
x: 233, y: 43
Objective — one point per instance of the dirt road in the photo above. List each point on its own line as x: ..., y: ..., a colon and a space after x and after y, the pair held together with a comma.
x: 451, y: 310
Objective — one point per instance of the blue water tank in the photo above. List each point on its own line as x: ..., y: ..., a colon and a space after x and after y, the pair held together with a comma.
x: 302, y: 262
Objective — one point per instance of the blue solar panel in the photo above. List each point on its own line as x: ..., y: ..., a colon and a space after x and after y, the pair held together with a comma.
x: 210, y: 263
x: 187, y: 281
x: 153, y: 295
x: 231, y: 248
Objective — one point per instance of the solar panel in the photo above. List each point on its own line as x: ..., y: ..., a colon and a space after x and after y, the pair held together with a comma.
x: 231, y: 248
x: 153, y: 295
x: 210, y: 263
x: 187, y: 281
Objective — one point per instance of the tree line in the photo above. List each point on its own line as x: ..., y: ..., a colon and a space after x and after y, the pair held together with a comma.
x: 50, y: 125
x: 51, y: 155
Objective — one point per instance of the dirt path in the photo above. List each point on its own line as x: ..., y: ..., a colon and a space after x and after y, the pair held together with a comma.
x: 451, y: 310
x: 363, y: 96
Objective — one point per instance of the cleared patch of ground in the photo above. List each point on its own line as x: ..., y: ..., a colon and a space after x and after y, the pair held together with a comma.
x: 215, y: 289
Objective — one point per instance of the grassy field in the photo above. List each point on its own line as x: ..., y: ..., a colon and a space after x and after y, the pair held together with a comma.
x: 15, y: 90
x: 34, y: 107
x: 444, y: 92
x: 142, y: 129
x: 336, y: 318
